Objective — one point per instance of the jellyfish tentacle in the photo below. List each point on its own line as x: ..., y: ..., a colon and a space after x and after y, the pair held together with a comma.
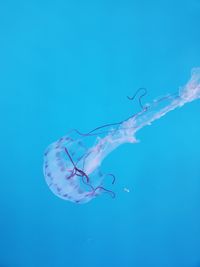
x: 105, y: 190
x: 113, y: 177
x: 68, y: 154
x: 139, y: 97
x: 92, y: 132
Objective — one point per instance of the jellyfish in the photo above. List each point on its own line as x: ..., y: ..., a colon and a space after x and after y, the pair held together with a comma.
x: 72, y: 163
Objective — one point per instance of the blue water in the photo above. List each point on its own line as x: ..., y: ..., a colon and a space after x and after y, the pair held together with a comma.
x: 71, y: 64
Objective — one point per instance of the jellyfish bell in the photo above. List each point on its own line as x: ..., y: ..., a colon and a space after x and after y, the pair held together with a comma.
x: 67, y: 174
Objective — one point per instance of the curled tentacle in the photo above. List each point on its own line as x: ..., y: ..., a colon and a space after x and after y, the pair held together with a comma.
x: 139, y: 97
x: 113, y: 176
x: 105, y: 190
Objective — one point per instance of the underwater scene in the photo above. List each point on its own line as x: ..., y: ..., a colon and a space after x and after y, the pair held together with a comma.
x: 100, y: 126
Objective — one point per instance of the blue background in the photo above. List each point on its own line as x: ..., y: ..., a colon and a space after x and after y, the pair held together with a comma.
x: 70, y: 64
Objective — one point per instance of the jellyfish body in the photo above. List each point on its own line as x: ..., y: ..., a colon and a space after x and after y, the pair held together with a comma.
x: 72, y: 164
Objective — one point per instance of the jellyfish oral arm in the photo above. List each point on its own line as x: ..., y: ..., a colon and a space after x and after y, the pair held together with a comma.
x: 104, y: 147
x: 125, y: 133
